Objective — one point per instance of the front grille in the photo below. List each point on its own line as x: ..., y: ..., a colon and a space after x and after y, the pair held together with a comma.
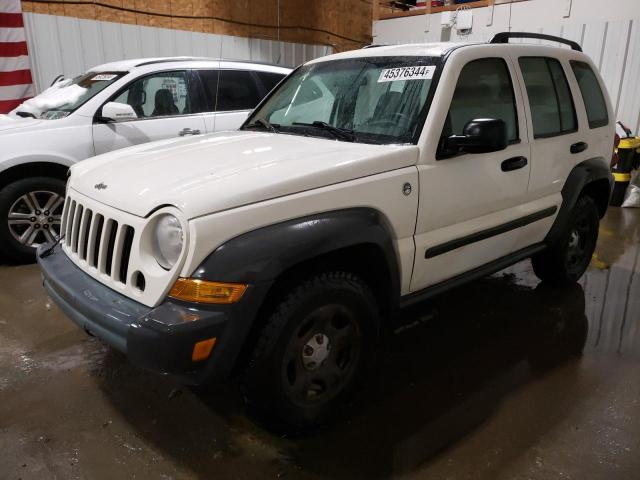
x: 102, y: 242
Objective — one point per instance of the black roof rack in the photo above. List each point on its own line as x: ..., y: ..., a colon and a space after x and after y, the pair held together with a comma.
x: 203, y: 59
x: 373, y: 45
x: 504, y: 37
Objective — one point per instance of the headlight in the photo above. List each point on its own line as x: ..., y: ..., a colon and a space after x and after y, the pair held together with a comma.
x: 169, y: 239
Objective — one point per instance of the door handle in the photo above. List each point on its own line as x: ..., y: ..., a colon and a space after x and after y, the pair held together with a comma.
x: 514, y: 164
x: 188, y: 131
x: 579, y: 147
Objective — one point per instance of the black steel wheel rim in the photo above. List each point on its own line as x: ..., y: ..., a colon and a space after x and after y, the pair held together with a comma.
x: 322, y: 355
x: 580, y: 244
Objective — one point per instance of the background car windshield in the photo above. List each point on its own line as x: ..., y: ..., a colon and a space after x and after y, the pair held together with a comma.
x: 380, y: 99
x: 65, y: 96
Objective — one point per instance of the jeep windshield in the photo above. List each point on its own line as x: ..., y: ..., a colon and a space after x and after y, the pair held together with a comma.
x: 380, y: 100
x: 65, y: 96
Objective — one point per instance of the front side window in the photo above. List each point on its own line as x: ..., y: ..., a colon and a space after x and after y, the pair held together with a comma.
x: 591, y: 94
x: 484, y: 90
x: 370, y: 100
x: 66, y: 96
x: 159, y: 95
x: 552, y: 109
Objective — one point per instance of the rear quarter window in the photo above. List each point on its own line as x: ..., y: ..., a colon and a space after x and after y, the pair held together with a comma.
x: 592, y: 95
x: 269, y: 80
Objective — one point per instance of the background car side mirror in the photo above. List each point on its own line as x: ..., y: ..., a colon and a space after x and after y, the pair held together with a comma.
x: 117, y: 112
x: 482, y: 135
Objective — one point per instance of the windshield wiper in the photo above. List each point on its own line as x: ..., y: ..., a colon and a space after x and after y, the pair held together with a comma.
x: 26, y: 114
x: 337, y: 132
x: 261, y: 122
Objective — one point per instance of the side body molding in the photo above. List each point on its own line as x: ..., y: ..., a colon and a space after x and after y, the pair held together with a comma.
x: 583, y: 174
x: 261, y: 255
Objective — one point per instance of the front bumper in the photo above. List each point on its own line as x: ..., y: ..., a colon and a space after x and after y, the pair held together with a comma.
x: 160, y: 339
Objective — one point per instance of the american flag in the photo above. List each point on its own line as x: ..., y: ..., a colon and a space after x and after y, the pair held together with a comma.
x: 16, y: 84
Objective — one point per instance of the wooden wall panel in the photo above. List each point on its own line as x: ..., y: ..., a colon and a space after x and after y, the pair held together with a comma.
x: 343, y: 24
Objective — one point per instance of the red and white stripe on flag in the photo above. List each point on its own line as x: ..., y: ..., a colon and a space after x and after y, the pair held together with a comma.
x: 16, y: 84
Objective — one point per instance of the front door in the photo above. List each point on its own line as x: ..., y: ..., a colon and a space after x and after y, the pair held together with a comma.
x: 469, y: 202
x: 163, y: 103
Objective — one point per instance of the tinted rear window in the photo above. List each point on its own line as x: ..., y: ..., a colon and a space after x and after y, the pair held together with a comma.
x: 237, y: 90
x: 231, y: 89
x: 552, y: 109
x: 592, y: 94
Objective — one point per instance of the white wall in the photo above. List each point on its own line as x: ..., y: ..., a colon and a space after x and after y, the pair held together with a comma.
x: 609, y: 32
x: 69, y: 46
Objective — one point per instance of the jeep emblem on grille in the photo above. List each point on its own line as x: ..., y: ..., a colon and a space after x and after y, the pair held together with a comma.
x: 100, y: 186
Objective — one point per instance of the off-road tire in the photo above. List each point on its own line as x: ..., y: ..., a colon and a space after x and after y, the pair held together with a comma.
x: 567, y: 259
x: 275, y: 367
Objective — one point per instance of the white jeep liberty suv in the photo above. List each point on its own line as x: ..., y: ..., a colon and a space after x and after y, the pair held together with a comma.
x: 368, y: 180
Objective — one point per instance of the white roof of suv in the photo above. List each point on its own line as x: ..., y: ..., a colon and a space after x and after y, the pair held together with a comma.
x: 129, y: 65
x: 440, y: 49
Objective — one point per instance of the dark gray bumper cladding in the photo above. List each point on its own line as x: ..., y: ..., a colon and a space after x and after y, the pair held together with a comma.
x: 159, y: 339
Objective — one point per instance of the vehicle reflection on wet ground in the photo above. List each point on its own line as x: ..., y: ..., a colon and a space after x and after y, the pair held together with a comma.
x: 502, y: 378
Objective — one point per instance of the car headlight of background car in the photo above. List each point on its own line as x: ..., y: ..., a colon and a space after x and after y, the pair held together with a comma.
x: 168, y: 240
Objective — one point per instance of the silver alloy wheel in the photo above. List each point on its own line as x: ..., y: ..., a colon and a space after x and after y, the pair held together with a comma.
x: 35, y: 217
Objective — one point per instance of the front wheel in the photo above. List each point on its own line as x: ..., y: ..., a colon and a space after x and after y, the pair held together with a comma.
x: 567, y: 260
x: 30, y: 215
x: 313, y: 352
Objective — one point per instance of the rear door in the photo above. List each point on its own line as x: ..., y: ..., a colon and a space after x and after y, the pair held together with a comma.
x: 231, y: 95
x: 557, y: 142
x: 470, y: 204
x: 165, y: 105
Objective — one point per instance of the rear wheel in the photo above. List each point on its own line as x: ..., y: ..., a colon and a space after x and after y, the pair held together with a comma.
x: 568, y: 259
x: 313, y: 352
x: 30, y: 215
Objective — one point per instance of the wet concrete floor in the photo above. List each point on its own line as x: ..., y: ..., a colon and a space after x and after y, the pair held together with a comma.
x: 501, y: 379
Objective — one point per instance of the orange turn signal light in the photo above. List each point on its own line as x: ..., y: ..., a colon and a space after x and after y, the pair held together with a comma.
x: 202, y: 349
x: 203, y: 291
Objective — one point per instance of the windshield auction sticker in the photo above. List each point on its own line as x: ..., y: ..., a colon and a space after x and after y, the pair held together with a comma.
x: 419, y: 72
x: 103, y: 77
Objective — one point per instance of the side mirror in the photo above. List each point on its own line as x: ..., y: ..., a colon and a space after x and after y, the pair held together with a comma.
x: 117, y: 112
x: 482, y: 135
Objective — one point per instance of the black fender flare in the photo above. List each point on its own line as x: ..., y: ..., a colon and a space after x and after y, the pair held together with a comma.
x: 581, y: 175
x: 261, y: 255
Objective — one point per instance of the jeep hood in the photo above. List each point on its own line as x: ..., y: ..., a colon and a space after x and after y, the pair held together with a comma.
x: 216, y: 172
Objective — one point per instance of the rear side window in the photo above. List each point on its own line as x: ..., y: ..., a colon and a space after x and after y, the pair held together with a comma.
x: 229, y: 90
x: 591, y: 94
x: 484, y: 90
x: 237, y: 90
x: 552, y: 108
x: 269, y: 80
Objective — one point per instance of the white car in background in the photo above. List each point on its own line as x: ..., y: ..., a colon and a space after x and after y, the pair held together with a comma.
x: 111, y: 106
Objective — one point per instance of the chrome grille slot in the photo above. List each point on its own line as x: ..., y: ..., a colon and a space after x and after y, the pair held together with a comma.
x: 83, y: 238
x: 75, y: 229
x: 68, y: 226
x: 127, y: 242
x: 65, y: 214
x: 95, y: 236
x: 110, y: 235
